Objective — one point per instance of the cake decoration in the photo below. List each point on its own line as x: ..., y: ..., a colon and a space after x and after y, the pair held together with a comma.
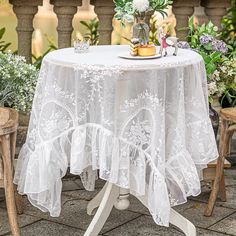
x: 134, y: 45
x: 137, y: 49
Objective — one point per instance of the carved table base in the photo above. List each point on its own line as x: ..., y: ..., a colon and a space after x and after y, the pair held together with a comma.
x: 111, y: 195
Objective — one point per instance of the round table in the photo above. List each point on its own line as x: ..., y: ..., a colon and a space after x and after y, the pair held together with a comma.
x: 144, y: 124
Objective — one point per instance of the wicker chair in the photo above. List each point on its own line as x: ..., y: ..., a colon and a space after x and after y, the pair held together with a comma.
x: 228, y: 126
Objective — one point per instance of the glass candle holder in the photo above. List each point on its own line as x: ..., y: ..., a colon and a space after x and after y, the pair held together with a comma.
x: 81, y: 46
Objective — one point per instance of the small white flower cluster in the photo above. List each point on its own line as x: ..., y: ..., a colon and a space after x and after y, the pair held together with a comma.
x: 141, y: 5
x: 223, y: 79
x: 17, y: 82
x: 216, y: 87
x: 212, y: 88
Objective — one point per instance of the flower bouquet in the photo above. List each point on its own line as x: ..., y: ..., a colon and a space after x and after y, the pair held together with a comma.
x: 135, y: 11
x: 127, y: 10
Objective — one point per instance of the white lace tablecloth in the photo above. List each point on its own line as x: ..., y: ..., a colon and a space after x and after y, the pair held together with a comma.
x: 143, y: 124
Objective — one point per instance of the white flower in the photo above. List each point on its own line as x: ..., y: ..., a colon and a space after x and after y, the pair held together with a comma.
x: 212, y: 88
x: 216, y: 75
x: 223, y: 68
x: 141, y: 5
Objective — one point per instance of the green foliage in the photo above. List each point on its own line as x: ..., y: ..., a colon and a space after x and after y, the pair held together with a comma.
x: 195, y: 33
x: 227, y: 73
x: 17, y: 82
x: 153, y: 31
x: 220, y: 66
x: 210, y: 56
x: 38, y: 60
x: 160, y: 6
x: 211, y: 61
x: 92, y: 28
x: 125, y: 11
x: 3, y: 45
x: 229, y: 28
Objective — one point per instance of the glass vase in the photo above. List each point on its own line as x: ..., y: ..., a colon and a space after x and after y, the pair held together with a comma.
x: 141, y: 29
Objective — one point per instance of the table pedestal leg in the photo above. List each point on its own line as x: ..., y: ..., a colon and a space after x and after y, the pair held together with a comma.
x: 110, y: 196
x: 96, y: 201
x: 122, y: 202
x: 111, y: 193
x: 182, y: 223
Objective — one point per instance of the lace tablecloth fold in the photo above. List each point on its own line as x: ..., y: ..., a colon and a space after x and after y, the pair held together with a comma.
x: 143, y: 124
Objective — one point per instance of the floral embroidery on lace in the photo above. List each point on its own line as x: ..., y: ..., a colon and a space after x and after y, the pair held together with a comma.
x: 139, y: 133
x: 144, y: 98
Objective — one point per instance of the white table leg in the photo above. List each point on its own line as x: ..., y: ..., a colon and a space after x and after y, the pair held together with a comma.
x: 123, y: 202
x: 96, y: 201
x: 182, y: 223
x: 110, y: 196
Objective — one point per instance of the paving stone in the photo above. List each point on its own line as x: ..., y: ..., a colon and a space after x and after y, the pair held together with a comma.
x: 69, y: 184
x: 230, y: 192
x: 143, y: 226
x: 227, y: 225
x: 98, y: 184
x: 46, y: 228
x: 230, y: 180
x: 22, y: 219
x: 79, y: 183
x: 137, y: 206
x: 207, y: 232
x: 231, y: 198
x: 230, y: 172
x: 74, y: 214
x: 81, y: 194
x: 193, y: 211
x: 29, y: 209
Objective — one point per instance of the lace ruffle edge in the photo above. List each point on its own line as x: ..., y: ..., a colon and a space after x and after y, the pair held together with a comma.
x: 91, y: 147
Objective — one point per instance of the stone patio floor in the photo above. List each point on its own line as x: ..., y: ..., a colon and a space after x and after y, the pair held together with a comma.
x: 136, y: 221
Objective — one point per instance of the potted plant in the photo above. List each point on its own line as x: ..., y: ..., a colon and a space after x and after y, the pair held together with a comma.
x: 17, y: 82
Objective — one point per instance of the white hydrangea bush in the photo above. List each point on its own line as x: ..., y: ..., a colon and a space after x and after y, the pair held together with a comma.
x: 17, y: 82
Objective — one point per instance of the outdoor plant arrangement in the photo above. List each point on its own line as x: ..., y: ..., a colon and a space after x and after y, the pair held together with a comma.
x: 127, y: 10
x: 227, y: 73
x: 135, y: 11
x: 205, y: 40
x: 220, y: 65
x: 17, y: 82
x: 229, y: 28
x: 92, y: 31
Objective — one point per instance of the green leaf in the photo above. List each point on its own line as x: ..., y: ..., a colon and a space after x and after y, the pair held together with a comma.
x: 85, y: 24
x: 210, y: 68
x: 210, y: 24
x: 208, y: 46
x: 2, y: 31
